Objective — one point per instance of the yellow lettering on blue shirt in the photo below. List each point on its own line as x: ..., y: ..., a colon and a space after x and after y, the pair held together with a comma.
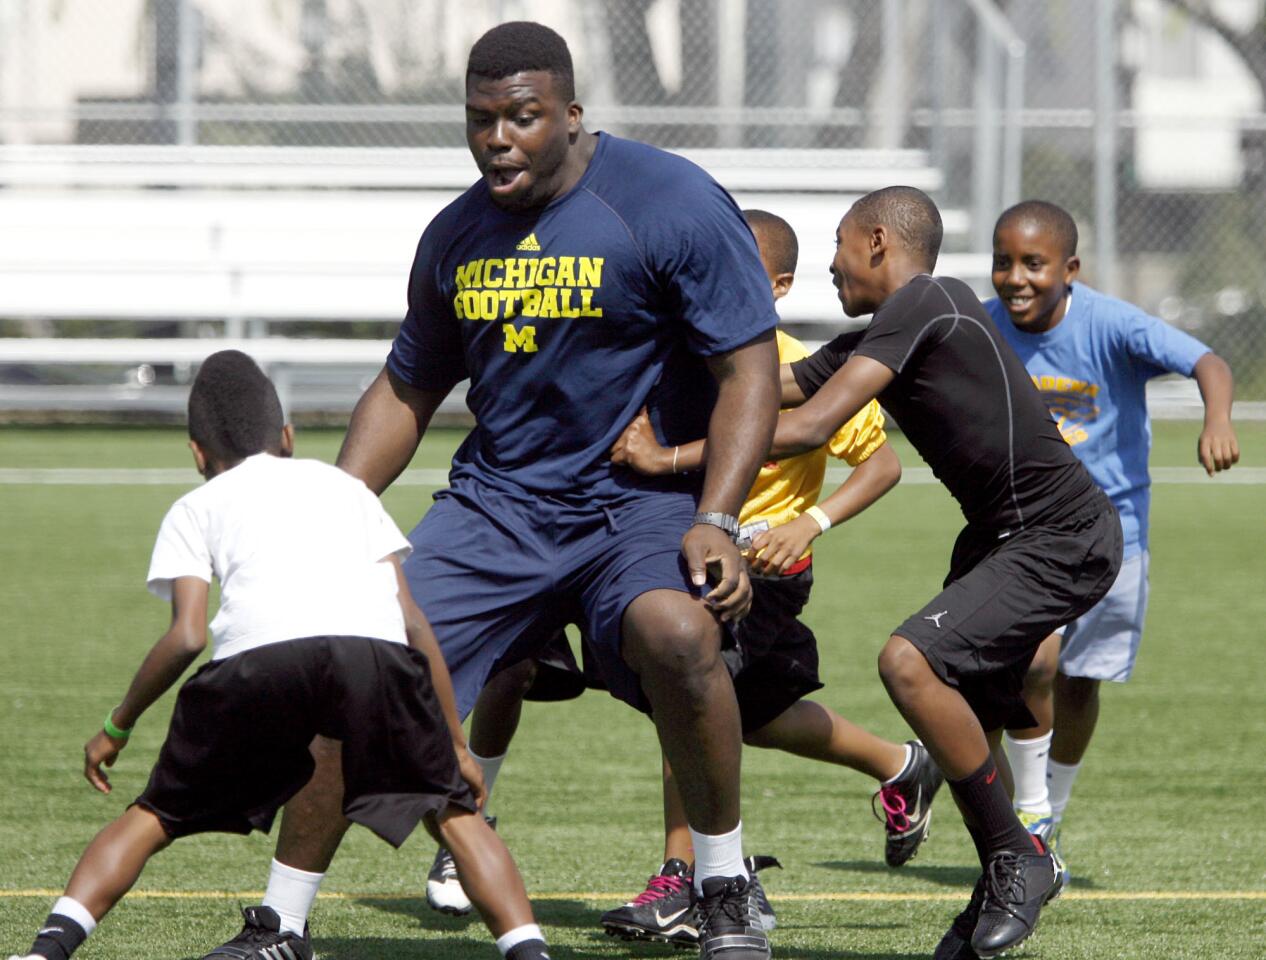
x: 1071, y: 403
x: 501, y: 289
x: 516, y: 339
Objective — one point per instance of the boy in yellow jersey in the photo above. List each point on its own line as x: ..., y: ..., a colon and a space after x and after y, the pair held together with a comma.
x: 779, y: 657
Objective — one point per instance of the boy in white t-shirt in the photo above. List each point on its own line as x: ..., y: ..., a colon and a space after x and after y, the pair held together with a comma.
x: 316, y: 634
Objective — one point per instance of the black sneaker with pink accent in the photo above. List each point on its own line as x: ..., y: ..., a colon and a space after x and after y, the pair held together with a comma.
x: 907, y: 806
x: 664, y: 911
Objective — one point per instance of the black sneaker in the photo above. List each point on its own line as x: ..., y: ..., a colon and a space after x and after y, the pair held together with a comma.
x: 956, y: 944
x: 261, y: 939
x: 764, y: 909
x: 1017, y: 886
x: 729, y: 921
x: 907, y: 806
x: 664, y: 911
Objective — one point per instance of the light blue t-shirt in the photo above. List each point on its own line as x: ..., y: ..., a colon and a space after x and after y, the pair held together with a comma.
x: 1092, y: 370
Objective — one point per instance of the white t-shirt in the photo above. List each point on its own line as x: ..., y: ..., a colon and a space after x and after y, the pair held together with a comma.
x: 296, y: 546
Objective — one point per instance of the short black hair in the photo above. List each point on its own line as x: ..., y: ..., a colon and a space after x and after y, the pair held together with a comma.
x: 234, y: 411
x: 910, y: 213
x: 1049, y: 218
x: 781, y: 249
x: 522, y: 45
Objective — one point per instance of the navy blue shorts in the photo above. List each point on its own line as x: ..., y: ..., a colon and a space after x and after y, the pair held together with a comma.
x: 498, y: 575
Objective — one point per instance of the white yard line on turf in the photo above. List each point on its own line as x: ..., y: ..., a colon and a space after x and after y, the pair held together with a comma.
x: 435, y: 477
x: 254, y: 896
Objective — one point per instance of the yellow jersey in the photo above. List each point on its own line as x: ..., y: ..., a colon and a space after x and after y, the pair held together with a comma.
x: 785, y: 488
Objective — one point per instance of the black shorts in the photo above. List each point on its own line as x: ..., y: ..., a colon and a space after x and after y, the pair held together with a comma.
x: 1003, y: 597
x: 778, y: 655
x: 237, y: 748
x: 559, y: 676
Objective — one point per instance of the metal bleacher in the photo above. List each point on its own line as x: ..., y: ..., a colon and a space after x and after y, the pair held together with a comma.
x: 217, y: 246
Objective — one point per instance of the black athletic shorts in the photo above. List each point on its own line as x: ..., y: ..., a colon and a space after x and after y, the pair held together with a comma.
x: 1004, y: 596
x: 237, y: 748
x: 778, y: 662
x: 559, y: 676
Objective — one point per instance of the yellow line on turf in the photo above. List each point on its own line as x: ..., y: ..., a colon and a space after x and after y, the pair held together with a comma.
x: 253, y: 896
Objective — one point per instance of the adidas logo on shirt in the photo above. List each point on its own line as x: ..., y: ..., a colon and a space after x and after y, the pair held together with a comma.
x: 529, y: 243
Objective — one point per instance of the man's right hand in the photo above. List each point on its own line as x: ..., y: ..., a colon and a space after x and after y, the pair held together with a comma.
x: 639, y: 449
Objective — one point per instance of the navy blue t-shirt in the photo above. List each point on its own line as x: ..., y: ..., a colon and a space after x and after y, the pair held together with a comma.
x: 570, y: 318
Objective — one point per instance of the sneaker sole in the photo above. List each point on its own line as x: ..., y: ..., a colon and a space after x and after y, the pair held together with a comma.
x: 629, y: 932
x: 447, y: 908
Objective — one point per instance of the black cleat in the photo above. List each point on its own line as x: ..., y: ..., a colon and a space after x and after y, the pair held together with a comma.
x: 664, y: 911
x: 261, y: 939
x: 907, y: 806
x: 764, y: 909
x: 956, y: 944
x: 1017, y: 886
x: 729, y: 921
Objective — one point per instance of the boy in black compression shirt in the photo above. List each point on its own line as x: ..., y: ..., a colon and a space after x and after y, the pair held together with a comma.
x: 1042, y: 542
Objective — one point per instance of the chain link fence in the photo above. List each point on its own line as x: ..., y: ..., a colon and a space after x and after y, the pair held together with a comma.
x: 1172, y: 216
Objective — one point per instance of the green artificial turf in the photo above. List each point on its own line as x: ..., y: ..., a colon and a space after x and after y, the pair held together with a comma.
x: 1164, y: 834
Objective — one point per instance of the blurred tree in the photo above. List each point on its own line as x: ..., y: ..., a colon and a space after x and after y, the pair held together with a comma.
x: 1248, y: 42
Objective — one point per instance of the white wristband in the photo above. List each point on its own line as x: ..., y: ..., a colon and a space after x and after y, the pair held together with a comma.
x: 676, y: 451
x: 818, y: 514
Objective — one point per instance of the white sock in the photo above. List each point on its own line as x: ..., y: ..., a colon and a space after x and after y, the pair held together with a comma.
x: 1060, y: 778
x: 291, y: 892
x: 905, y: 766
x: 718, y: 856
x: 1028, y: 767
x: 490, y: 766
x: 67, y: 907
x: 529, y: 931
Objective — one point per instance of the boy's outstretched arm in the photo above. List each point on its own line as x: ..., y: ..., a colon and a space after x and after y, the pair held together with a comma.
x: 162, y: 667
x: 1217, y: 449
x: 812, y: 424
x: 422, y: 638
x: 774, y: 550
x: 792, y: 392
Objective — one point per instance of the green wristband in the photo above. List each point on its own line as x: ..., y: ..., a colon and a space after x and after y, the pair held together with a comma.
x: 113, y: 731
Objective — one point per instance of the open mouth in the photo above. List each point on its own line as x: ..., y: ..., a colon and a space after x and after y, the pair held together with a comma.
x: 504, y: 179
x: 1018, y: 303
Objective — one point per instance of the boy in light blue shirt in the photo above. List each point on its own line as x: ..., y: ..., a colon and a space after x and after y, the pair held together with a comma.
x: 1091, y: 356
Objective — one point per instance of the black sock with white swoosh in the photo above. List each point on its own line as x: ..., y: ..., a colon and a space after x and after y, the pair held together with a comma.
x: 58, y: 938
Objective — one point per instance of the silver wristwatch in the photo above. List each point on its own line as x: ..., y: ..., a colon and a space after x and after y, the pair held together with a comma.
x: 723, y: 520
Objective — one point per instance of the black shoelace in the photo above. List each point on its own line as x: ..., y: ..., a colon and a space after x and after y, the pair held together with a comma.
x: 729, y: 904
x: 1004, y: 883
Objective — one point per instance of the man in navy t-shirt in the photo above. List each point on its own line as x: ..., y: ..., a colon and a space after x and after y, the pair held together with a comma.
x: 582, y: 278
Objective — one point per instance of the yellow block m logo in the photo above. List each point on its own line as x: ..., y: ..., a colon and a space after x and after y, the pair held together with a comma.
x: 517, y: 340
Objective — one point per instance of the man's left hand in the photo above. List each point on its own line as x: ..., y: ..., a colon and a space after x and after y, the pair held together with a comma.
x: 711, y: 554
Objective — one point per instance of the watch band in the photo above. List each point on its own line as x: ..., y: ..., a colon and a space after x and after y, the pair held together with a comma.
x: 725, y: 521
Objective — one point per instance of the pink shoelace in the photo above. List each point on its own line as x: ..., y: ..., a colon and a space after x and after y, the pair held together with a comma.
x: 659, y: 887
x: 894, y: 805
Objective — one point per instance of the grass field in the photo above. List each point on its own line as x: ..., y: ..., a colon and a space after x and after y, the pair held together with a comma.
x: 1165, y: 835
